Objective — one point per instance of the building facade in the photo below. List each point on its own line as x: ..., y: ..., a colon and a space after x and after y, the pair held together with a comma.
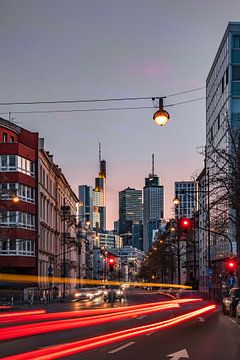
x: 186, y: 193
x: 85, y: 195
x: 56, y: 225
x: 18, y: 222
x: 153, y: 208
x: 32, y: 228
x: 222, y: 118
x: 130, y: 212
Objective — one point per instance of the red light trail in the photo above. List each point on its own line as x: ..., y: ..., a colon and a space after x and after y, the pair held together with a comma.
x: 68, y: 349
x: 16, y: 314
x: 13, y: 332
x: 41, y: 315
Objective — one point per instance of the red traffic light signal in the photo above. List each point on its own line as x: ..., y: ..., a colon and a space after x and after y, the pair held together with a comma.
x: 111, y: 261
x: 185, y: 223
x: 231, y: 265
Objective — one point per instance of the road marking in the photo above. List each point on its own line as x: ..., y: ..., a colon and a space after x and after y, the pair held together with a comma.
x: 121, y: 347
x: 141, y: 317
x: 201, y: 319
x: 151, y: 333
x: 179, y: 354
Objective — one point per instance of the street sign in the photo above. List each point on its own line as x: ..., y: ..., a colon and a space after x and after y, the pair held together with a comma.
x: 231, y: 281
x: 209, y: 271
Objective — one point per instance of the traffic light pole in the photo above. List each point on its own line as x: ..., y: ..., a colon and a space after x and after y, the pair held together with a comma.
x: 179, y: 260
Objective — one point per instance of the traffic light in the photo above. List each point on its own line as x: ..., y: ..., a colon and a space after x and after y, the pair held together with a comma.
x: 185, y: 223
x: 111, y: 263
x: 231, y: 265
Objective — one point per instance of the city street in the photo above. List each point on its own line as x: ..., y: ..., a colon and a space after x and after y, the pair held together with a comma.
x: 210, y: 335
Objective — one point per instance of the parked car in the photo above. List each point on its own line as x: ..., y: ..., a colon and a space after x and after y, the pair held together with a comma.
x: 238, y: 311
x: 230, y: 302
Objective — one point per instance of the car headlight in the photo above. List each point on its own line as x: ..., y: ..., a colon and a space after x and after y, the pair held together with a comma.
x: 76, y: 295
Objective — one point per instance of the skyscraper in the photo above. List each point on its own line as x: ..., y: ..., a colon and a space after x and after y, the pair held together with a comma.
x: 92, y: 201
x: 153, y: 207
x: 130, y: 212
x: 85, y: 194
x: 99, y: 196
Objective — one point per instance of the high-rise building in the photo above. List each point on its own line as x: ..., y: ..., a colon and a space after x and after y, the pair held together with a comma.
x: 153, y: 207
x: 99, y: 197
x: 85, y: 194
x: 222, y: 119
x: 137, y: 235
x: 130, y: 212
x: 186, y: 193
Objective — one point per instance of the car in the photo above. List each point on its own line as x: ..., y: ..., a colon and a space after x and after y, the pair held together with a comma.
x: 113, y: 293
x: 230, y: 302
x: 84, y: 294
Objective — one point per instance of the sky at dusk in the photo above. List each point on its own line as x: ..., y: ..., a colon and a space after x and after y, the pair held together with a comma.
x: 92, y: 49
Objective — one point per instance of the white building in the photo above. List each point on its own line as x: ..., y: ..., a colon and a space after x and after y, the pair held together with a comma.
x: 223, y: 116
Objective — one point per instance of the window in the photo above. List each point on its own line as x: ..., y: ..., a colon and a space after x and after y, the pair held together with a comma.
x: 236, y: 72
x: 17, y: 247
x: 236, y: 42
x: 17, y: 219
x: 218, y: 121
x: 12, y: 162
x: 227, y: 76
x: 12, y: 139
x: 25, y: 193
x: 17, y: 163
x: 4, y: 162
x: 222, y: 84
x: 4, y: 137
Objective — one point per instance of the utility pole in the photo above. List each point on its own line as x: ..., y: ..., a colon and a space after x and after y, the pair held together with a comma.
x: 64, y: 248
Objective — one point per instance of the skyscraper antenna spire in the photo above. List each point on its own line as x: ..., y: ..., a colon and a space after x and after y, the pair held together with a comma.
x: 100, y: 152
x: 153, y: 164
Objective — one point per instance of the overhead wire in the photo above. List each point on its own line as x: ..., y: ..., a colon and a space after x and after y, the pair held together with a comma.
x: 96, y: 100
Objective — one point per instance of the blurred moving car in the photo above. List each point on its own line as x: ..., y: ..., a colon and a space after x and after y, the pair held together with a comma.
x: 87, y: 294
x: 113, y: 293
x: 230, y: 302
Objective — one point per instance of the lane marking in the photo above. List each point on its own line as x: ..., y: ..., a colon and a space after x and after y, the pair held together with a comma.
x: 200, y: 319
x: 141, y: 317
x: 151, y: 333
x: 121, y: 347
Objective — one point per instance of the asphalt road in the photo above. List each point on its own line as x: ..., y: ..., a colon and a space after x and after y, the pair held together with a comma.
x: 209, y: 337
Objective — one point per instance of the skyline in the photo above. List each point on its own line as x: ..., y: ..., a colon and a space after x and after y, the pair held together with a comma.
x: 78, y: 50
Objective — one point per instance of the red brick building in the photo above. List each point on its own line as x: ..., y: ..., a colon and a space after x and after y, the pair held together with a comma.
x: 18, y: 221
x: 32, y: 229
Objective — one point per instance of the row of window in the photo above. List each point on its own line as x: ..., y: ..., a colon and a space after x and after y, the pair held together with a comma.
x: 17, y: 163
x: 17, y: 219
x: 7, y: 138
x: 17, y: 247
x: 46, y: 181
x: 26, y: 193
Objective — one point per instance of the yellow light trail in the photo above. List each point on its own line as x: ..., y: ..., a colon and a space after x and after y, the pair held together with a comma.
x: 60, y: 280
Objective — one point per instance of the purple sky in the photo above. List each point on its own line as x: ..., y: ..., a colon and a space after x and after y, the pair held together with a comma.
x: 54, y: 49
